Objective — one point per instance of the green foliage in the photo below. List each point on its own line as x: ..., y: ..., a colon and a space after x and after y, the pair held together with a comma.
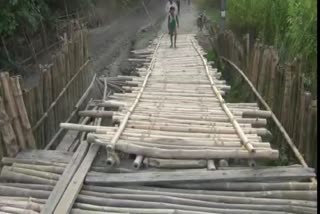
x: 19, y: 13
x: 289, y: 25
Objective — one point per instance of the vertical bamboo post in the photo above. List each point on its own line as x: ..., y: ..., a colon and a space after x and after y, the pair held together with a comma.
x: 23, y: 113
x: 46, y: 102
x: 12, y: 109
x: 8, y: 135
x: 40, y: 93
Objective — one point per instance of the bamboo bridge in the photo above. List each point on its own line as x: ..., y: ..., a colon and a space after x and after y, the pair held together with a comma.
x: 175, y: 146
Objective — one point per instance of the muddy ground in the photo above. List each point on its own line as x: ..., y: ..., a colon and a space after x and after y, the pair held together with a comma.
x: 110, y: 45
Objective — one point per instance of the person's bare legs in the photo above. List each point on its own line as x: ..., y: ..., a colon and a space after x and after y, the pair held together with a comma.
x: 175, y: 40
x: 171, y: 40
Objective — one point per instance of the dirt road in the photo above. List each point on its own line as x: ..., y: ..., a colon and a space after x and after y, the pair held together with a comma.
x: 110, y: 45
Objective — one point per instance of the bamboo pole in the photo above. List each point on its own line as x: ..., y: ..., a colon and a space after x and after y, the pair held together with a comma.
x: 126, y: 118
x: 138, y: 161
x: 73, y: 113
x: 274, y: 118
x: 10, y: 161
x: 51, y: 169
x: 7, y: 132
x: 17, y: 92
x: 225, y: 196
x: 238, y: 129
x: 12, y: 109
x: 17, y: 175
x: 54, y: 103
x: 193, y: 154
x: 174, y: 164
x: 211, y: 165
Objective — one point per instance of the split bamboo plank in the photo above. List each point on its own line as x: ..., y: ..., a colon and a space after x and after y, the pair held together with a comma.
x: 281, y: 173
x: 66, y: 177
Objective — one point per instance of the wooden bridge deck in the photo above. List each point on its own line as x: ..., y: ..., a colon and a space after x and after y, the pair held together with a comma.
x: 194, y: 153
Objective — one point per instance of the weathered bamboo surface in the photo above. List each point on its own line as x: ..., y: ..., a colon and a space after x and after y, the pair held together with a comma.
x: 192, y: 153
x: 179, y: 96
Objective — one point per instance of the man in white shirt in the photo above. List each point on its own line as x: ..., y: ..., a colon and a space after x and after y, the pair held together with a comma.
x: 170, y: 4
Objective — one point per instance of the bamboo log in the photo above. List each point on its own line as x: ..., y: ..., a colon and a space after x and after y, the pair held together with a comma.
x: 85, y: 128
x: 135, y: 210
x: 80, y: 211
x: 10, y: 161
x: 22, y: 112
x: 204, y: 175
x: 50, y: 169
x: 138, y: 162
x: 16, y: 210
x: 28, y: 205
x: 194, y: 120
x: 221, y: 130
x: 12, y: 109
x: 107, y: 104
x: 96, y: 113
x: 36, y: 173
x: 18, y: 192
x: 162, y: 137
x: 31, y: 186
x: 204, y: 195
x: 243, y: 186
x: 7, y: 132
x: 241, y: 134
x: 193, y: 154
x: 191, y: 201
x: 174, y: 164
x: 167, y: 205
x: 211, y: 165
x: 126, y: 118
x: 17, y: 176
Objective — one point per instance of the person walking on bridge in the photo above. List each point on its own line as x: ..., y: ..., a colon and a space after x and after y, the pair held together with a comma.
x: 178, y: 5
x: 173, y: 24
x: 170, y: 4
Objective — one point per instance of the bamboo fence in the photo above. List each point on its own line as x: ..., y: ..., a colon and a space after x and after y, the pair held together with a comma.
x: 280, y: 84
x: 30, y: 117
x: 61, y: 85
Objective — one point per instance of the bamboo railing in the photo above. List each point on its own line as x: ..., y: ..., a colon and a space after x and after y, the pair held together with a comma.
x: 280, y: 84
